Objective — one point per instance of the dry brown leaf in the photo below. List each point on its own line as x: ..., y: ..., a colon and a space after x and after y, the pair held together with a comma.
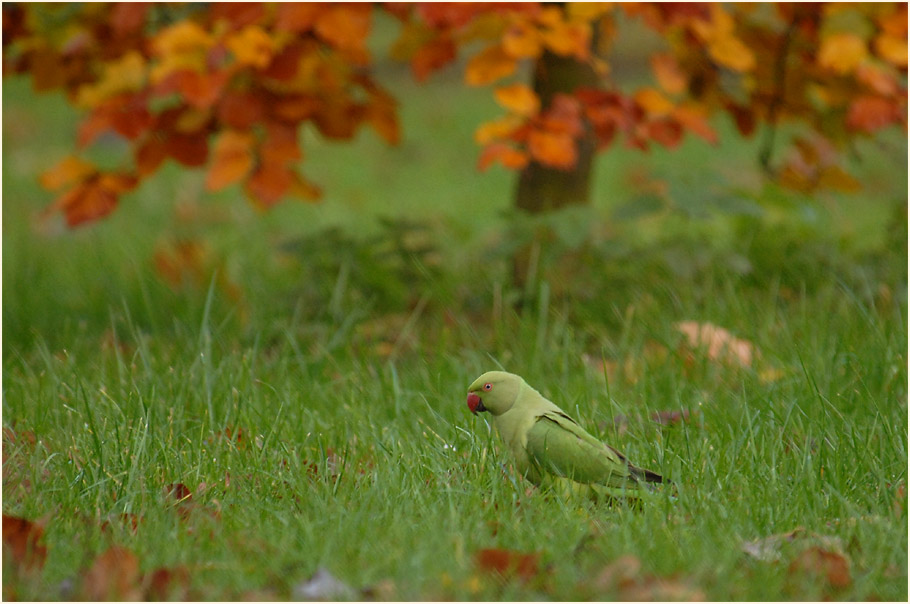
x: 114, y: 575
x: 168, y: 584
x: 721, y: 345
x: 830, y: 566
x: 22, y: 543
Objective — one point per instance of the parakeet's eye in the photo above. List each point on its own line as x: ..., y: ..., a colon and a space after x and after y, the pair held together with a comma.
x: 488, y: 386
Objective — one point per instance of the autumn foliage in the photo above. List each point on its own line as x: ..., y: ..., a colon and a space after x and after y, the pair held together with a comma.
x: 228, y: 86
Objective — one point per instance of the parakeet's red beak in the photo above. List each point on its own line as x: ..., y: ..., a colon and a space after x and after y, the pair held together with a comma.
x: 474, y: 403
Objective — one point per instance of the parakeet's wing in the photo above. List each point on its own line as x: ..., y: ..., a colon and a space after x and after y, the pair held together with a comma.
x: 560, y: 446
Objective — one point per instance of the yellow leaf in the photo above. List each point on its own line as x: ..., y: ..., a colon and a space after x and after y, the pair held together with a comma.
x: 519, y: 99
x: 69, y: 171
x: 251, y: 46
x: 730, y: 51
x: 522, y: 40
x: 488, y: 66
x: 587, y: 11
x: 125, y: 74
x: 842, y: 53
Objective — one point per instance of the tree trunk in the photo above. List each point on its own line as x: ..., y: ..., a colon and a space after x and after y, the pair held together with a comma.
x: 541, y: 189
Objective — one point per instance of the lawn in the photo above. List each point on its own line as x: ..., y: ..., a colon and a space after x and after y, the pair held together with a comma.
x: 280, y: 411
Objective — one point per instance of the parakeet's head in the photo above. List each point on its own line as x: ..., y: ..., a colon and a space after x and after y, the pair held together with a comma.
x: 494, y: 391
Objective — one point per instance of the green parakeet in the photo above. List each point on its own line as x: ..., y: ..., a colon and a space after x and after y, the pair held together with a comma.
x: 550, y: 448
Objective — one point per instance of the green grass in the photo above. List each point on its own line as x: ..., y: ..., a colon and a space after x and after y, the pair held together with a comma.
x: 356, y: 451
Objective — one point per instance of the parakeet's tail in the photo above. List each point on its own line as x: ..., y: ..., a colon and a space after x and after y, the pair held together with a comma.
x: 646, y: 475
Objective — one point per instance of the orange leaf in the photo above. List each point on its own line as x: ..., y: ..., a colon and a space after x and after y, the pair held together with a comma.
x: 870, y: 113
x: 692, y: 116
x: 345, y: 26
x: 69, y: 171
x: 488, y: 66
x: 553, y: 149
x: 114, y: 575
x: 877, y: 79
x: 519, y: 99
x: 232, y: 159
x: 280, y: 146
x: 505, y: 154
x: 653, y: 102
x: 668, y: 73
x: 21, y: 540
x: 297, y: 17
x: 269, y: 184
x: 842, y: 53
x: 497, y: 129
x: 892, y: 49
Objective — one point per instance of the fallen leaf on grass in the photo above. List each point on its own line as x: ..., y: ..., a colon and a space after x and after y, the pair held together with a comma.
x: 670, y: 417
x: 508, y: 563
x: 719, y: 343
x: 769, y: 549
x: 22, y: 543
x: 167, y: 584
x: 624, y: 579
x: 323, y: 586
x: 114, y: 575
x: 830, y: 566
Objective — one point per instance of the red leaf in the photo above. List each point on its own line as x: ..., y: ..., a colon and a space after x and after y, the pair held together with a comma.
x: 21, y: 540
x: 238, y: 14
x: 240, y: 109
x: 345, y: 26
x: 168, y: 584
x: 94, y: 198
x: 871, y: 113
x: 508, y: 563
x: 665, y: 131
x: 188, y: 149
x: 431, y: 56
x: 127, y: 18
x: 280, y: 146
x: 149, y: 155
